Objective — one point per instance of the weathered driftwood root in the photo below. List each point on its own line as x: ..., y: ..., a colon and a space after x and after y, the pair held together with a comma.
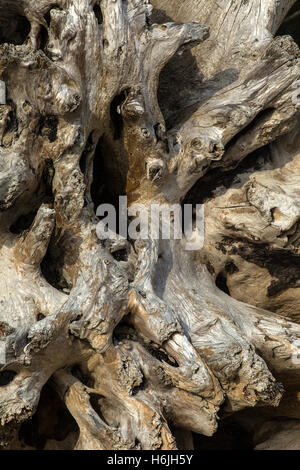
x: 144, y: 345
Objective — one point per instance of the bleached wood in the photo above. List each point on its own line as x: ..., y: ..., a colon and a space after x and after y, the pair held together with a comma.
x: 158, y: 342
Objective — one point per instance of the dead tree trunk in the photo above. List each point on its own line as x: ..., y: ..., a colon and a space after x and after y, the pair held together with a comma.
x: 184, y: 100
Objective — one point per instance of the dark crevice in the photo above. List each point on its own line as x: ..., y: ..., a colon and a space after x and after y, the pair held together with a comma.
x: 229, y: 436
x: 52, y: 275
x: 47, y: 16
x: 94, y: 401
x: 125, y: 332
x: 137, y: 443
x: 40, y: 316
x: 109, y: 176
x: 110, y: 163
x: 182, y: 67
x: 282, y: 265
x: 23, y: 223
x: 47, y: 178
x: 43, y: 195
x: 87, y: 150
x: 120, y: 255
x: 52, y: 420
x: 43, y: 38
x: 54, y: 261
x: 77, y: 372
x: 216, y: 178
x: 180, y: 105
x: 210, y: 268
x: 6, y: 377
x: 99, y: 180
x: 221, y: 283
x: 48, y: 127
x: 290, y: 25
x: 231, y: 268
x: 116, y: 117
x: 51, y: 268
x: 161, y: 355
x: 14, y: 29
x: 98, y: 14
x: 141, y: 386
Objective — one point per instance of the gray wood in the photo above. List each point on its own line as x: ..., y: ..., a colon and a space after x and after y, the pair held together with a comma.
x: 195, y: 87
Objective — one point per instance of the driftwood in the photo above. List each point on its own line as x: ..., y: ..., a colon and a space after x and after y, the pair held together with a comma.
x: 143, y: 343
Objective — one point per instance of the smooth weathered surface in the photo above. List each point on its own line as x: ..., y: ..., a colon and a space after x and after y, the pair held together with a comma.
x: 143, y: 340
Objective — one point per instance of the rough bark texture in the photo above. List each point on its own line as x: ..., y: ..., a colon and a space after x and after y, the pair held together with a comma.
x: 145, y: 345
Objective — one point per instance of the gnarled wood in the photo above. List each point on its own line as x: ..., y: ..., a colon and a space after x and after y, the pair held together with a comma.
x: 144, y: 342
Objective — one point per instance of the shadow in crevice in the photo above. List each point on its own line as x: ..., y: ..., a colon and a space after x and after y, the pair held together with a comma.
x: 182, y: 89
x: 47, y: 18
x: 14, y: 28
x: 98, y: 14
x: 259, y: 119
x: 87, y: 380
x: 47, y: 127
x: 200, y: 96
x: 52, y: 421
x: 116, y: 118
x: 98, y: 404
x: 85, y: 156
x: 221, y: 283
x: 109, y: 173
x: 217, y: 182
x: 43, y: 39
x: 291, y: 24
x: 23, y: 223
x: 6, y: 377
x: 229, y: 436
